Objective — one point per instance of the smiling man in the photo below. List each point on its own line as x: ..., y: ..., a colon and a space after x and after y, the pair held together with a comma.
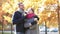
x: 18, y: 19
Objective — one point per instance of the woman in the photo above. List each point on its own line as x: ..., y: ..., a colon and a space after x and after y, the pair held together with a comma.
x: 31, y: 21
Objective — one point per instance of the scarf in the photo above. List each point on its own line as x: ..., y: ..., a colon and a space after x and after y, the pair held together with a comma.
x: 30, y: 15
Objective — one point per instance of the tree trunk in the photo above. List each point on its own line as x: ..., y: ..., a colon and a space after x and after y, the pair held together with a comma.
x: 58, y: 12
x: 59, y: 19
x: 45, y: 27
x: 1, y: 15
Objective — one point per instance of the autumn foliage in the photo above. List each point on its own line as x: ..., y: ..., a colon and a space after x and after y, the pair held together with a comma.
x: 45, y: 9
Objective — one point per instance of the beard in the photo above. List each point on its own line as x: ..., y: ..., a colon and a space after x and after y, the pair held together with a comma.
x: 22, y: 9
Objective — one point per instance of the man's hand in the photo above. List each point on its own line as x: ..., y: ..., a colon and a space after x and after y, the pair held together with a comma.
x: 24, y: 14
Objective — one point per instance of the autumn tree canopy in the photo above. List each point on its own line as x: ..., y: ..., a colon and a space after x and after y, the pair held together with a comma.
x: 45, y: 9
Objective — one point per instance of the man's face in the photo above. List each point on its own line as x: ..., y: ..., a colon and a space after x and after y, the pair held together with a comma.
x: 21, y: 6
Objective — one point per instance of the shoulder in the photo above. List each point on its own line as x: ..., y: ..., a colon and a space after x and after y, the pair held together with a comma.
x: 35, y: 16
x: 17, y: 12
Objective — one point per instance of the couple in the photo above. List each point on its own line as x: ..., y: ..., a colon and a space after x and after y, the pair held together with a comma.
x: 24, y: 20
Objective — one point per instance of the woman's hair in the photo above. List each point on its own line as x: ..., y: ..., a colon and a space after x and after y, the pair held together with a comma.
x: 32, y: 10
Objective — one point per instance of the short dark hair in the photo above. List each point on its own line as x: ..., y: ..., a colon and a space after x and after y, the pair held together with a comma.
x: 20, y: 3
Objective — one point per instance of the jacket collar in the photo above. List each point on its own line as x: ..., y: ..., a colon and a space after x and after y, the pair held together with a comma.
x: 20, y: 10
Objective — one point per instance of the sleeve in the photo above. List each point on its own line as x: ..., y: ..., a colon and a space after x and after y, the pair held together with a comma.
x: 35, y: 22
x: 36, y: 17
x: 15, y: 20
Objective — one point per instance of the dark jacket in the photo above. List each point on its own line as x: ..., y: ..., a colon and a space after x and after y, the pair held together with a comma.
x: 18, y: 19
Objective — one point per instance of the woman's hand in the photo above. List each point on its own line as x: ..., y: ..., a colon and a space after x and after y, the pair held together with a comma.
x: 35, y: 19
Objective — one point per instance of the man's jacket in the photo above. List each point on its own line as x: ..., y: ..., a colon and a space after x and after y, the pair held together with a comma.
x: 18, y: 19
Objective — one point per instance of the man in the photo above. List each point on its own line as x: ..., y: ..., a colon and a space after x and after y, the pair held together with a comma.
x: 18, y: 19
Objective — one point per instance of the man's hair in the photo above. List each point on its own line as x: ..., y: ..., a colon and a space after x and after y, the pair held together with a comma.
x: 20, y: 3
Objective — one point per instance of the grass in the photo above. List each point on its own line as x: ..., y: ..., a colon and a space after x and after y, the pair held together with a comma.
x: 5, y: 33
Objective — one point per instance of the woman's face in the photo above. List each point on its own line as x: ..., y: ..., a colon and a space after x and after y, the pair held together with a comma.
x: 30, y: 11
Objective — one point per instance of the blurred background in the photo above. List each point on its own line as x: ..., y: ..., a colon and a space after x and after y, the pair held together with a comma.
x: 47, y: 11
